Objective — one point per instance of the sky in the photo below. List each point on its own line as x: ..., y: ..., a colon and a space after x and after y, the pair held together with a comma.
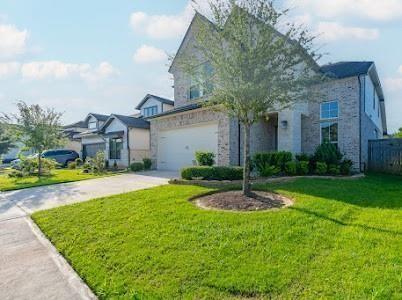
x: 104, y: 56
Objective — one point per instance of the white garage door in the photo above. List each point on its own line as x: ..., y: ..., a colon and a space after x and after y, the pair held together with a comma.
x: 176, y: 148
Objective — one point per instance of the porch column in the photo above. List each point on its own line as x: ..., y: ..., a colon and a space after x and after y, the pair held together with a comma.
x: 289, y: 131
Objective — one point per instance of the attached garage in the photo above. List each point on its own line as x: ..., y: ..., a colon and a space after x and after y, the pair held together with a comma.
x: 90, y: 150
x: 177, y: 147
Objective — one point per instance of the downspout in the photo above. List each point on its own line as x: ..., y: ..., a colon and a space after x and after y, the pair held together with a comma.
x: 128, y: 146
x: 239, y: 142
x: 362, y: 99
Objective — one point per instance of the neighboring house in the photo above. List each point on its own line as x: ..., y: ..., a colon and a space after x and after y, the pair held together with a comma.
x: 124, y: 139
x: 348, y: 112
x: 71, y: 133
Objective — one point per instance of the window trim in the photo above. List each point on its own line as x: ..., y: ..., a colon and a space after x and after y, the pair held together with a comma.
x: 200, y: 84
x: 329, y: 102
x: 113, y: 141
x: 92, y: 122
x: 152, y: 109
x: 330, y: 124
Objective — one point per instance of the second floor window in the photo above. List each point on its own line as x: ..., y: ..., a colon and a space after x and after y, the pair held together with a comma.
x: 201, y: 82
x: 150, y: 111
x: 92, y: 125
x: 329, y: 113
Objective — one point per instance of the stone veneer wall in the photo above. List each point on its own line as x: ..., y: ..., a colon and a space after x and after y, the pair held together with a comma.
x: 194, y: 117
x: 347, y: 92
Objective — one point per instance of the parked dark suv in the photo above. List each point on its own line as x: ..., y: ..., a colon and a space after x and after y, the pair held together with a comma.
x: 63, y: 157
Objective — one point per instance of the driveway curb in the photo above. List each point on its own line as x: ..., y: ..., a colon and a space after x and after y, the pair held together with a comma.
x: 68, y: 272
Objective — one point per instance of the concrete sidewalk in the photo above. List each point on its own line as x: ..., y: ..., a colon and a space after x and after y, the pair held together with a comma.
x: 30, y: 267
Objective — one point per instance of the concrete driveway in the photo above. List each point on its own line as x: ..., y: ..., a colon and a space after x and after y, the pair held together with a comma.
x: 30, y: 267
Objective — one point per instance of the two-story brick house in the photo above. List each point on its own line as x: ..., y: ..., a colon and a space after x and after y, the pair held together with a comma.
x: 348, y: 112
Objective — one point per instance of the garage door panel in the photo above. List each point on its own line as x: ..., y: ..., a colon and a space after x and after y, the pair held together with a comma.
x: 176, y: 148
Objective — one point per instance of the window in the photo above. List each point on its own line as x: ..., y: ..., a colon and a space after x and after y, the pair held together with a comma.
x: 150, y: 111
x: 201, y: 81
x: 329, y: 129
x: 92, y: 125
x: 116, y: 145
x: 329, y: 132
x: 329, y: 110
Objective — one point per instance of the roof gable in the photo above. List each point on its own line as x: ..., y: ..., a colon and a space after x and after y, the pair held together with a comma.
x: 128, y: 121
x: 346, y: 69
x: 157, y: 98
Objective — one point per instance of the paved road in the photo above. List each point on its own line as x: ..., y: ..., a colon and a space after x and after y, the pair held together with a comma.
x: 30, y: 267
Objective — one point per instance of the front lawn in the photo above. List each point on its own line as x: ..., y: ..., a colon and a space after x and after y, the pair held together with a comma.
x: 58, y: 176
x: 342, y: 239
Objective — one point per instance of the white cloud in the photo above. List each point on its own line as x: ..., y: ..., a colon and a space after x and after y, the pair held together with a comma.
x: 148, y: 54
x: 393, y: 83
x: 38, y: 70
x: 383, y: 10
x: 12, y: 40
x: 331, y: 31
x: 9, y: 69
x: 162, y: 26
x: 400, y: 69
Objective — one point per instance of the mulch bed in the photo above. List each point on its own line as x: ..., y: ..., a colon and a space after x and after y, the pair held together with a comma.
x: 236, y: 201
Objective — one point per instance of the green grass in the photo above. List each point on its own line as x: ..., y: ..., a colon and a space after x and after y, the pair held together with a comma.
x: 58, y: 176
x: 341, y: 240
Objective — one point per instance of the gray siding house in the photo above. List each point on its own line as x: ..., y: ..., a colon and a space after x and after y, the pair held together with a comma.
x: 349, y: 111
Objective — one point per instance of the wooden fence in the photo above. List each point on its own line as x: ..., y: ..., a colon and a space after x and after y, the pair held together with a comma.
x: 385, y: 156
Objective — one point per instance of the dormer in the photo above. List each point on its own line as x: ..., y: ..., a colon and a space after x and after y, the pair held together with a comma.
x: 95, y: 121
x: 152, y: 105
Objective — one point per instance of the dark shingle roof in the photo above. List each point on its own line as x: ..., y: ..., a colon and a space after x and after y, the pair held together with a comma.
x: 133, y: 122
x: 79, y: 124
x: 177, y: 110
x: 100, y: 117
x: 346, y: 69
x: 163, y: 100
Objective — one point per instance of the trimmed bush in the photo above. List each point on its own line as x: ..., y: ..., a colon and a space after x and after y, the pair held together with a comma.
x: 205, y: 158
x: 72, y: 165
x: 147, y: 163
x: 136, y: 166
x: 16, y: 174
x: 303, y: 167
x: 334, y: 170
x: 321, y: 168
x: 346, y: 167
x: 79, y: 162
x: 302, y: 157
x: 212, y: 173
x: 328, y: 153
x: 291, y: 168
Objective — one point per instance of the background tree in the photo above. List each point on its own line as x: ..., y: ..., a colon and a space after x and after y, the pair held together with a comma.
x: 256, y: 69
x: 6, y: 138
x: 37, y: 128
x: 398, y: 134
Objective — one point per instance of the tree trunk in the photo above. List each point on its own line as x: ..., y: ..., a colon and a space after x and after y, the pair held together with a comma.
x: 246, y: 161
x: 40, y: 164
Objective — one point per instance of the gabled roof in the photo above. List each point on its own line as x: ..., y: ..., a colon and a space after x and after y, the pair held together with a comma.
x: 79, y: 124
x: 346, y: 69
x: 99, y: 117
x: 131, y: 122
x: 177, y: 110
x: 148, y: 96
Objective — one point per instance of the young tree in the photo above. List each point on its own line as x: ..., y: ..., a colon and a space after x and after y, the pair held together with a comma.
x: 38, y: 128
x: 256, y: 69
x: 6, y: 139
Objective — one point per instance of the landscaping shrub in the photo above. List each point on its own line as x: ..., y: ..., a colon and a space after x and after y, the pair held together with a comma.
x: 334, y: 170
x: 137, y: 166
x: 269, y: 171
x: 205, y: 158
x: 328, y: 153
x: 321, y: 168
x: 265, y: 159
x: 303, y: 167
x: 72, y: 165
x: 16, y: 174
x: 98, y: 162
x: 302, y: 157
x: 346, y: 167
x: 30, y: 165
x: 291, y: 168
x: 147, y: 163
x: 79, y: 162
x: 212, y: 173
x: 87, y: 166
